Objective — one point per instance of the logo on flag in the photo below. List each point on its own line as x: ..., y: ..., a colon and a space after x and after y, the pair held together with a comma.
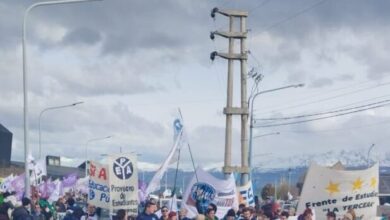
x: 123, y: 168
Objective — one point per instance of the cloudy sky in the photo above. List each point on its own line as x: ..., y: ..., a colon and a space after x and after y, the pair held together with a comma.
x: 134, y: 63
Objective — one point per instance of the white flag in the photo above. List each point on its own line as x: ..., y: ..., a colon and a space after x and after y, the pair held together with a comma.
x: 155, y: 182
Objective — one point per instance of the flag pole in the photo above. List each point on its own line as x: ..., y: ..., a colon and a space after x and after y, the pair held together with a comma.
x: 189, y: 148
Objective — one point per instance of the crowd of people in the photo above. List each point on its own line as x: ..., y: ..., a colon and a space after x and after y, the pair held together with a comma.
x: 70, y: 207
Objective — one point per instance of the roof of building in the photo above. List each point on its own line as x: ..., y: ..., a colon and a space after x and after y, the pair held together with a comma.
x: 4, y: 129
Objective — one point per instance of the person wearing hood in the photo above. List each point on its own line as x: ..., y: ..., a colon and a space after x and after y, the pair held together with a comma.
x: 23, y: 212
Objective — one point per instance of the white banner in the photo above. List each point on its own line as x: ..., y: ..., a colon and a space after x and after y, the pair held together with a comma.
x: 123, y: 177
x: 246, y: 195
x: 98, y: 184
x: 328, y: 189
x: 208, y: 189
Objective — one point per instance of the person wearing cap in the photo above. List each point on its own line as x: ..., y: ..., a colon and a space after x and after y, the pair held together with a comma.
x: 172, y: 215
x: 23, y: 212
x: 331, y: 216
x: 148, y: 214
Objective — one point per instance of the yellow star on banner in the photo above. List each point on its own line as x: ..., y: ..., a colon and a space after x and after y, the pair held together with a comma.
x: 333, y: 187
x: 373, y: 182
x: 357, y: 184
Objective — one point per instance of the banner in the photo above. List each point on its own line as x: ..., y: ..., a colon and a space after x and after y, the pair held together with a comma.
x: 327, y: 189
x: 99, y: 190
x: 123, y: 180
x: 208, y: 189
x: 246, y: 195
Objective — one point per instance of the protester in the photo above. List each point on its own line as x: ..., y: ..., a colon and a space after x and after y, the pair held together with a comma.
x: 267, y: 208
x: 284, y: 215
x: 60, y: 205
x: 91, y: 213
x: 73, y: 211
x: 183, y: 214
x: 164, y: 213
x: 347, y: 216
x: 23, y: 212
x: 210, y: 214
x: 246, y: 214
x: 240, y: 208
x: 352, y: 212
x: 307, y: 215
x: 200, y: 217
x: 37, y: 213
x: 121, y: 214
x: 172, y: 215
x: 148, y: 214
x: 230, y: 215
x: 330, y: 216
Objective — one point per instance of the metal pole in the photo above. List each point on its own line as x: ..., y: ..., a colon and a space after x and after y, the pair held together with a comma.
x: 25, y: 86
x: 251, y: 115
x: 40, y: 117
x: 244, y: 105
x: 229, y: 104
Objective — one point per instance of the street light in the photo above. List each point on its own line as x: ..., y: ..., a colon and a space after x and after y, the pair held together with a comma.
x: 40, y: 116
x: 86, y: 150
x: 263, y: 135
x: 25, y: 95
x: 251, y: 101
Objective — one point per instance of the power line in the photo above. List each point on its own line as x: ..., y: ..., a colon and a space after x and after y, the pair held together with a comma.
x: 337, y: 129
x: 261, y: 4
x: 320, y: 118
x: 295, y: 15
x: 323, y: 113
x: 330, y: 98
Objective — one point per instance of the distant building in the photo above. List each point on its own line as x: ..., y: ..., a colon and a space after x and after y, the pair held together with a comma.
x: 5, y: 147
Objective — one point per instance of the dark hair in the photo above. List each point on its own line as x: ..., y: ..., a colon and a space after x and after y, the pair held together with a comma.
x: 242, y: 205
x: 285, y: 214
x: 164, y: 207
x: 246, y: 209
x: 231, y: 212
x: 26, y: 201
x: 214, y: 206
x: 120, y: 214
x: 70, y: 201
x: 209, y: 210
x: 331, y: 214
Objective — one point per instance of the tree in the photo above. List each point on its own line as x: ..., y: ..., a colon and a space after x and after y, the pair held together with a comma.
x: 267, y: 191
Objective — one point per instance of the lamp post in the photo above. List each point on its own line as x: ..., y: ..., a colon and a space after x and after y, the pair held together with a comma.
x: 25, y: 83
x: 40, y: 117
x: 251, y: 101
x: 368, y: 154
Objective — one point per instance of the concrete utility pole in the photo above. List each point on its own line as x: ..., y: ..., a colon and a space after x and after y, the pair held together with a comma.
x: 229, y: 111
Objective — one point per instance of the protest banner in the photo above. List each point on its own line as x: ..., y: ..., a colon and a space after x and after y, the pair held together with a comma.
x: 123, y: 182
x: 208, y: 189
x: 327, y: 189
x: 246, y: 195
x: 98, y: 184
